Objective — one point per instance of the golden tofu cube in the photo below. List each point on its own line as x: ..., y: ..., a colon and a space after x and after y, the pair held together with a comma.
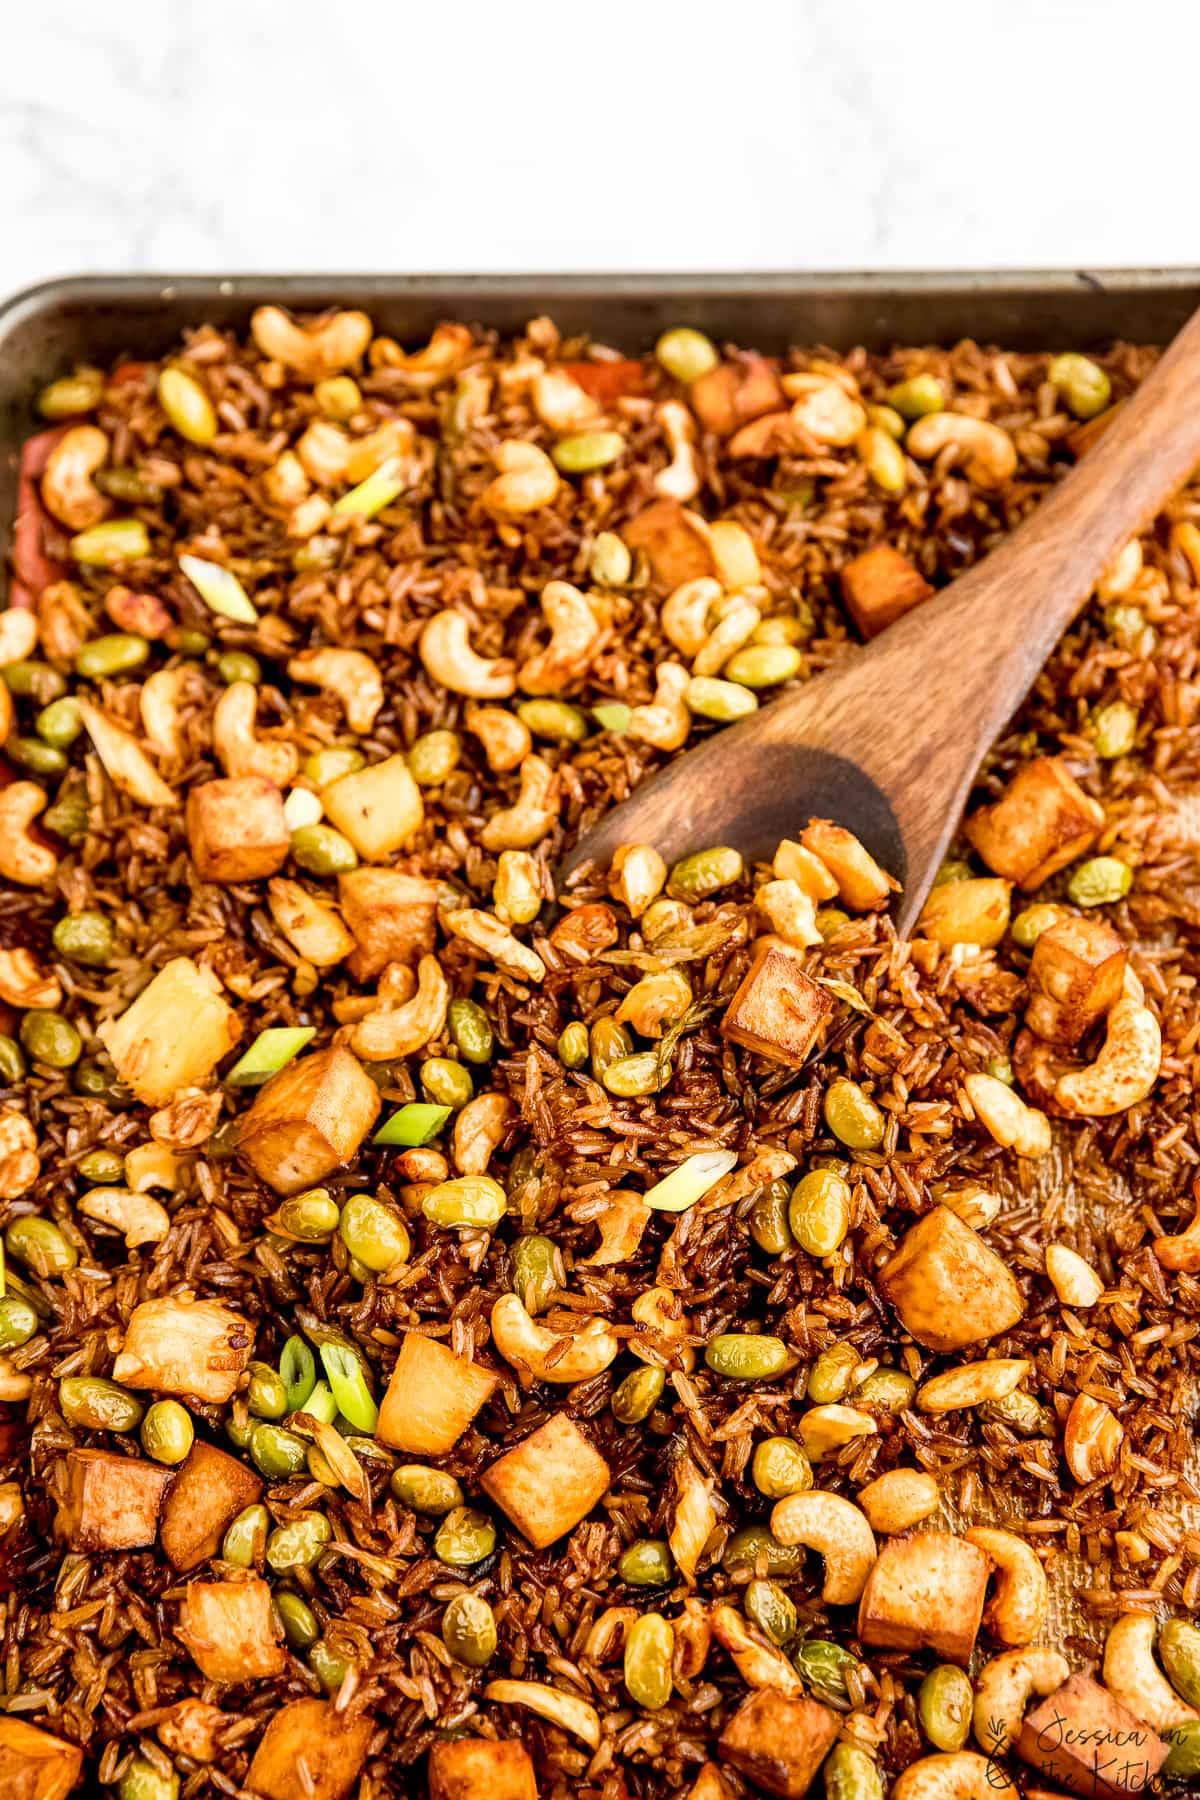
x: 107, y: 1501
x: 967, y: 912
x: 309, y: 1120
x: 728, y: 396
x: 210, y: 1489
x: 192, y: 1728
x: 880, y: 586
x: 947, y: 1286
x: 174, y: 1034
x: 925, y: 1592
x: 1076, y: 975
x: 777, y: 1011
x: 548, y: 1483
x: 481, y: 1769
x: 34, y: 1765
x: 779, y: 1741
x: 311, y: 926
x: 229, y: 1629
x: 431, y: 1397
x: 674, y: 550
x: 794, y: 863
x: 862, y: 884
x: 1089, y: 1740
x: 236, y: 829
x: 312, y: 1750
x: 378, y: 808
x: 1041, y: 822
x: 193, y: 1347
x: 392, y: 918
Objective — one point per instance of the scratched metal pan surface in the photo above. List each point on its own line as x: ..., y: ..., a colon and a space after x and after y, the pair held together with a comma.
x: 47, y: 329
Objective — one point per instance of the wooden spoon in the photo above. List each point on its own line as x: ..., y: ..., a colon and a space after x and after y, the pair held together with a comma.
x: 888, y: 741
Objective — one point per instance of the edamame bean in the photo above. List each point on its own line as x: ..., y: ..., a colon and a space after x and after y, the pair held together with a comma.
x: 1183, y: 1758
x: 822, y: 1666
x: 649, y: 1650
x: 779, y: 1467
x: 646, y: 1563
x: 426, y: 1490
x: 239, y: 665
x: 755, y: 1547
x: 1100, y: 881
x: 464, y: 1536
x: 819, y: 1212
x: 553, y: 720
x: 851, y: 1773
x: 636, y: 1397
x: 886, y: 418
x: 338, y: 397
x: 311, y: 1216
x: 102, y: 1166
x: 187, y: 405
x: 917, y: 396
x: 86, y: 937
x: 767, y: 1220
x: 276, y: 1453
x: 1030, y: 923
x: 167, y: 1432
x: 320, y: 850
x: 115, y: 654
x: 705, y: 872
x: 1114, y: 729
x: 61, y: 722
x: 686, y: 354
x: 12, y: 1063
x: 629, y: 1077
x: 584, y: 451
x: 469, y: 1630
x: 609, y: 1042
x: 95, y: 1404
x: 853, y: 1116
x: 748, y: 1356
x: 33, y: 681
x: 1083, y: 384
x: 32, y: 754
x: 722, y: 701
x: 79, y: 392
x: 573, y: 1045
x: 1179, y: 1649
x: 298, y: 1620
x: 944, y: 1704
x: 245, y: 1541
x: 373, y: 1233
x: 773, y: 1611
x: 51, y: 1039
x: 39, y: 1245
x: 470, y: 1030
x: 68, y: 817
x: 830, y: 1376
x: 142, y: 1781
x: 469, y: 1200
x: 446, y: 1082
x: 537, y: 1271
x: 434, y: 756
x: 109, y: 545
x: 763, y: 665
x: 329, y: 1668
x: 953, y: 869
x: 18, y: 1322
x: 1022, y: 1413
x: 266, y: 1395
x: 611, y: 563
x: 889, y: 1390
x: 299, y: 1544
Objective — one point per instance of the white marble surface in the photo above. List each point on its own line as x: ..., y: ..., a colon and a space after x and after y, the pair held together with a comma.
x: 637, y: 134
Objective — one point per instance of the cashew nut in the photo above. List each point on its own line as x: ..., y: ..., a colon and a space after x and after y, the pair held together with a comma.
x: 25, y: 984
x: 14, y: 1383
x: 563, y: 1357
x: 824, y: 1429
x: 285, y: 483
x: 1181, y: 1251
x: 125, y: 763
x: 1073, y: 1279
x: 637, y: 875
x: 322, y: 348
x: 21, y: 859
x: 732, y: 550
x: 567, y: 1711
x: 899, y: 1500
x: 351, y: 675
x: 680, y: 480
x: 479, y: 1131
x: 665, y: 722
x: 485, y: 933
x: 18, y: 1152
x: 735, y: 625
x: 1131, y: 1673
x: 67, y: 487
x: 518, y: 827
x: 393, y: 1031
x: 394, y: 441
x: 954, y: 1775
x: 324, y: 453
x: 560, y: 402
x: 397, y: 985
x: 656, y: 1001
x: 621, y: 1216
x: 1017, y: 1610
x: 658, y: 1310
x: 445, y: 650
x: 161, y: 697
x: 792, y: 913
x: 758, y: 1662
x: 239, y: 751
x: 579, y: 630
x: 685, y: 611
x: 151, y: 1166
x: 18, y: 634
x: 442, y: 356
x: 506, y: 739
x: 1125, y: 1070
x: 1006, y: 1116
x: 142, y: 1220
x: 838, y: 1531
x: 1092, y: 1439
x: 1004, y: 1688
x: 65, y: 622
x: 311, y: 926
x: 973, y: 1384
x: 825, y: 410
x: 527, y: 481
x: 693, y: 1517
x: 1121, y: 572
x: 986, y: 452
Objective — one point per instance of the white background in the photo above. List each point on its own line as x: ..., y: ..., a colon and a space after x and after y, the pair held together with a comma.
x: 376, y: 134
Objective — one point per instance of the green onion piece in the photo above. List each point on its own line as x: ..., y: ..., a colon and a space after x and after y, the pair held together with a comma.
x: 614, y: 715
x: 321, y: 1404
x: 692, y: 1179
x: 413, y: 1125
x: 377, y: 491
x: 270, y: 1052
x: 349, y: 1384
x: 298, y: 1367
x: 220, y: 589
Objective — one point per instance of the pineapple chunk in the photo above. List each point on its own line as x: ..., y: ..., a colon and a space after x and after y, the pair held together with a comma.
x: 967, y: 912
x: 731, y: 394
x: 794, y: 863
x: 862, y: 884
x: 948, y: 1287
x: 674, y: 550
x: 229, y: 1630
x: 193, y: 1347
x: 236, y: 829
x: 108, y: 1502
x: 777, y: 1011
x: 1041, y: 822
x: 1076, y: 976
x: 309, y: 1120
x: 36, y: 1766
x: 1086, y: 1738
x: 925, y: 1592
x: 392, y: 917
x: 310, y: 925
x: 192, y: 1728
x: 432, y: 1397
x: 378, y: 808
x: 779, y: 1741
x: 549, y: 1482
x: 481, y: 1769
x: 174, y: 1034
x: 310, y: 1749
x: 879, y: 587
x: 210, y: 1489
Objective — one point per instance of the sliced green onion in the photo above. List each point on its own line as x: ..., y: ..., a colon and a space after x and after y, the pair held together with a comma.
x: 690, y: 1181
x: 298, y: 1367
x: 413, y: 1125
x: 220, y: 590
x: 614, y: 715
x: 349, y: 1385
x: 321, y: 1404
x: 377, y: 491
x: 271, y: 1051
